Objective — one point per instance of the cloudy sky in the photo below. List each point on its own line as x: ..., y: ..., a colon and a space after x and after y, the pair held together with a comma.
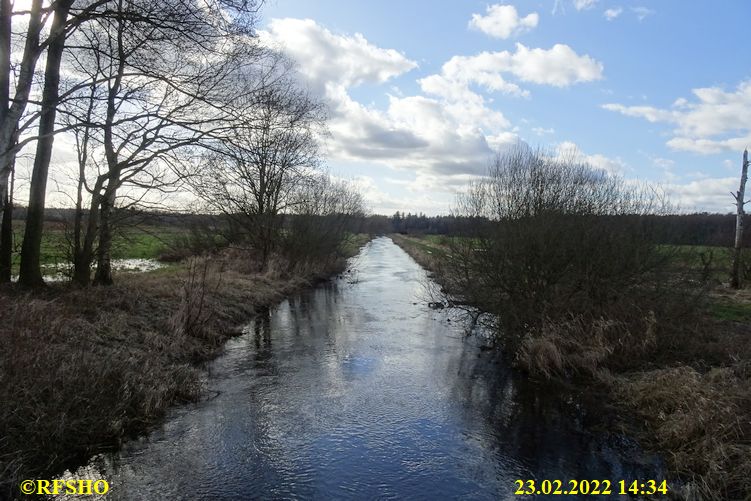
x: 421, y: 92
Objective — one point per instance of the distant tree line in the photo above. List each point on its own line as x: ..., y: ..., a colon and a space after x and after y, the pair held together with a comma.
x: 677, y: 229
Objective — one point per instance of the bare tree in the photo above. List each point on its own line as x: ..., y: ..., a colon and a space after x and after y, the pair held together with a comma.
x: 327, y: 212
x: 6, y: 201
x: 253, y: 176
x: 13, y: 121
x: 547, y: 237
x: 203, y: 28
x: 12, y: 114
x: 30, y: 273
x: 154, y: 81
x: 6, y: 233
x: 736, y: 279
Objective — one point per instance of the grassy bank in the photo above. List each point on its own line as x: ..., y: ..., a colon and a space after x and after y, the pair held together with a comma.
x: 684, y: 389
x: 83, y: 369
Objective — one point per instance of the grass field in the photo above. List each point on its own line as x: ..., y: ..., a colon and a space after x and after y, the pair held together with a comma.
x: 721, y: 305
x: 137, y: 242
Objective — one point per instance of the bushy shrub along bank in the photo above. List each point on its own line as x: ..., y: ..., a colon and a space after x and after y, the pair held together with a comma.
x: 565, y: 268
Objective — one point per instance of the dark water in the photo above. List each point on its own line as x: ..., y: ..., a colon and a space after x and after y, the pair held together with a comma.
x: 353, y: 391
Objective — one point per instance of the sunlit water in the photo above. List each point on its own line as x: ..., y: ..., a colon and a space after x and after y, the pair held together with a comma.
x: 62, y: 272
x: 358, y: 390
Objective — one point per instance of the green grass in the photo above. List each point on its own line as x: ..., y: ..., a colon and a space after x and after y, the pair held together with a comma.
x: 733, y: 311
x: 145, y: 242
x: 138, y: 242
x: 430, y: 244
x: 435, y: 239
x: 351, y: 246
x: 694, y: 256
x: 691, y: 256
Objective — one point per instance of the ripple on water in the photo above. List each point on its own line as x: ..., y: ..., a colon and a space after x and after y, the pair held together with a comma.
x: 359, y: 391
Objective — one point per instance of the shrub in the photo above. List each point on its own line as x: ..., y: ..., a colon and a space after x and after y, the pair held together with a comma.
x: 553, y: 248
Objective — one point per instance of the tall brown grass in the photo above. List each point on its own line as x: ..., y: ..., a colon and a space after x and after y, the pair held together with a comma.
x: 703, y: 419
x: 77, y: 381
x: 684, y: 376
x: 83, y: 369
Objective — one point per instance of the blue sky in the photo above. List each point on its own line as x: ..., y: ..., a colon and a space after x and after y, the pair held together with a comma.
x: 421, y: 93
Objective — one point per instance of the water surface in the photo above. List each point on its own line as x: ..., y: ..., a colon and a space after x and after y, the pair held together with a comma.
x: 358, y: 390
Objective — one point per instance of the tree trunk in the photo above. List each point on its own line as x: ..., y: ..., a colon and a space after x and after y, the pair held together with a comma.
x: 736, y: 279
x: 31, y: 273
x: 83, y: 242
x: 9, y: 120
x: 6, y: 241
x: 84, y: 256
x: 6, y: 237
x: 84, y: 252
x: 103, y: 274
x: 6, y: 198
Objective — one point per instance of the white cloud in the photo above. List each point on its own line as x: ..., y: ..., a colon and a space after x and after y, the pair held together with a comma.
x: 382, y: 202
x: 570, y: 151
x: 461, y: 71
x: 709, y: 194
x: 503, y: 21
x: 540, y: 131
x: 663, y: 163
x: 503, y: 140
x: 584, y: 4
x: 440, y: 139
x: 559, y: 66
x: 325, y: 58
x: 448, y: 134
x: 642, y: 12
x: 649, y: 113
x: 715, y: 121
x: 613, y: 13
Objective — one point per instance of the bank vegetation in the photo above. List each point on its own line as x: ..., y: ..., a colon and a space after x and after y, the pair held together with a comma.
x: 561, y: 262
x: 164, y: 102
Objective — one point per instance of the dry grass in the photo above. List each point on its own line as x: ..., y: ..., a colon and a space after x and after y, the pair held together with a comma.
x: 694, y: 403
x: 83, y: 369
x: 574, y: 347
x: 683, y: 371
x: 75, y: 381
x: 703, y: 420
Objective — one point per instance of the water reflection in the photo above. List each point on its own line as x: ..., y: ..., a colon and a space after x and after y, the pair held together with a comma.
x: 354, y: 391
x: 262, y: 335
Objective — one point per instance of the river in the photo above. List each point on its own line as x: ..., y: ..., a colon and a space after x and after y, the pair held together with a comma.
x: 358, y: 390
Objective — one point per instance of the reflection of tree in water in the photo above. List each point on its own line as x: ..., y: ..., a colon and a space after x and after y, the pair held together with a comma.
x: 262, y: 334
x: 315, y: 310
x: 541, y: 427
x: 302, y: 320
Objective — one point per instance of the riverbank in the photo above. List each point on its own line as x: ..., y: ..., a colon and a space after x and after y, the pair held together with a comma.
x: 358, y: 390
x: 687, y: 397
x: 81, y: 370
